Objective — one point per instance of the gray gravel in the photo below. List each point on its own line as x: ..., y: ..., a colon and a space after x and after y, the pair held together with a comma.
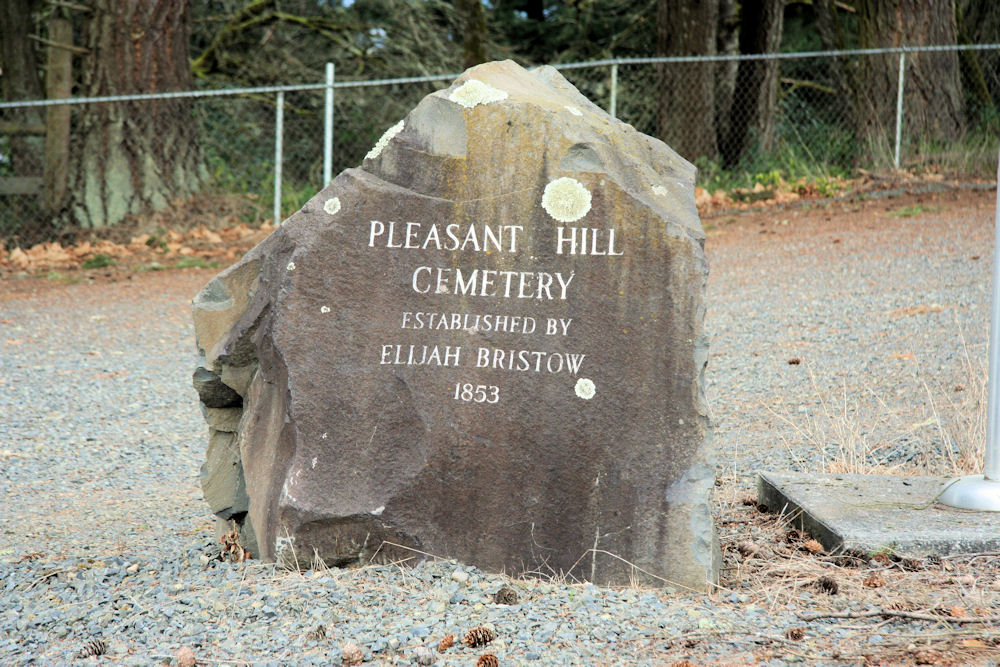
x: 105, y: 535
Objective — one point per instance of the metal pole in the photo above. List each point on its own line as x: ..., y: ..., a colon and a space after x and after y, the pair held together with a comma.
x: 993, y: 408
x: 328, y: 128
x: 614, y: 91
x: 982, y: 492
x: 279, y: 129
x: 899, y: 106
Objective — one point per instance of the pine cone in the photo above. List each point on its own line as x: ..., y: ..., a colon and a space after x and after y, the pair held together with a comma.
x: 446, y: 643
x: 477, y: 637
x: 506, y: 595
x: 185, y: 657
x: 828, y: 585
x: 812, y: 546
x: 93, y: 648
x: 487, y: 660
x: 351, y: 654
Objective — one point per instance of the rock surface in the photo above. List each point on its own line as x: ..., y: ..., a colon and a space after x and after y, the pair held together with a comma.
x: 485, y: 344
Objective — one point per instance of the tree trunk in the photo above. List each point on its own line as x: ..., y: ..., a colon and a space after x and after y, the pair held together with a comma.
x: 473, y: 21
x: 686, y: 91
x: 727, y: 41
x: 755, y: 99
x: 19, y: 80
x: 133, y: 157
x: 932, y: 100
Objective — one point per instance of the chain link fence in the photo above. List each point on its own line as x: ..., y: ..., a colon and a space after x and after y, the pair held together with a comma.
x: 71, y: 166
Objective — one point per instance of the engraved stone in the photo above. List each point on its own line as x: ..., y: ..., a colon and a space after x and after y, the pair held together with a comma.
x: 489, y: 349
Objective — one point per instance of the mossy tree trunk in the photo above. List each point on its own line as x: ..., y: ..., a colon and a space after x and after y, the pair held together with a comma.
x: 130, y: 158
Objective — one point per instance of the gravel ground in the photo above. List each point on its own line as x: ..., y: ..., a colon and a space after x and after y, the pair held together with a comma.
x: 837, y: 325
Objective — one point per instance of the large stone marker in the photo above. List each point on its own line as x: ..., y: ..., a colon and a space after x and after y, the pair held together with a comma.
x: 485, y: 344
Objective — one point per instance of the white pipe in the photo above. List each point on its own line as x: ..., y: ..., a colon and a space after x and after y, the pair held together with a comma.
x: 992, y: 408
x: 614, y: 91
x: 328, y: 128
x: 279, y: 130
x: 899, y: 106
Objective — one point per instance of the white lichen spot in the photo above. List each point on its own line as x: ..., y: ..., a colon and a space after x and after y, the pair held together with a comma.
x: 332, y: 205
x: 291, y: 266
x: 384, y: 140
x: 281, y: 545
x: 324, y: 309
x: 474, y: 92
x: 585, y: 388
x: 314, y: 463
x: 573, y: 110
x: 378, y: 510
x: 660, y: 191
x: 566, y: 200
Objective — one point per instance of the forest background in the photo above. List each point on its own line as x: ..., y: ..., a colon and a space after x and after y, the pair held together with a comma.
x: 746, y: 123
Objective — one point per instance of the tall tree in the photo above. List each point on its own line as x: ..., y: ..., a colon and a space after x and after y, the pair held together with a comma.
x: 19, y: 80
x: 133, y: 157
x: 933, y: 105
x: 686, y: 92
x: 755, y: 98
x: 473, y: 18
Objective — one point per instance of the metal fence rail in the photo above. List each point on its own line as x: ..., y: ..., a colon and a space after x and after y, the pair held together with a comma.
x: 275, y: 145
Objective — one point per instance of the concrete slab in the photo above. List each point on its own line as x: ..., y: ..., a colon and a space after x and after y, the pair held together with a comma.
x: 874, y: 512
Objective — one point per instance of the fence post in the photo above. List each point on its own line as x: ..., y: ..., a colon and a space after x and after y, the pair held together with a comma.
x: 899, y: 107
x: 614, y: 91
x: 328, y: 128
x: 279, y: 128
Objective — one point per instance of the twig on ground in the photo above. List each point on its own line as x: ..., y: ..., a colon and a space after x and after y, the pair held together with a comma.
x: 885, y: 613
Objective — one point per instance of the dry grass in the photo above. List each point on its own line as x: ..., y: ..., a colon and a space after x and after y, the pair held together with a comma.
x: 859, y: 433
x: 777, y: 567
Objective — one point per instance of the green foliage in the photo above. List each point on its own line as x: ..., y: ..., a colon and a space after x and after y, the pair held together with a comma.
x: 912, y: 211
x: 151, y: 266
x: 98, y: 261
x: 194, y: 262
x: 62, y: 278
x: 157, y: 241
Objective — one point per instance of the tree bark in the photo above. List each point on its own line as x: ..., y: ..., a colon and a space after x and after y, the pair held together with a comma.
x: 133, y: 157
x: 932, y: 101
x: 686, y: 91
x: 19, y: 80
x: 473, y: 19
x: 727, y: 41
x: 755, y: 98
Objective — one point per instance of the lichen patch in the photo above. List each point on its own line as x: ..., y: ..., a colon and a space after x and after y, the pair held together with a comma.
x: 474, y: 92
x: 332, y: 205
x: 660, y: 191
x: 566, y: 200
x: 384, y: 140
x: 585, y: 388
